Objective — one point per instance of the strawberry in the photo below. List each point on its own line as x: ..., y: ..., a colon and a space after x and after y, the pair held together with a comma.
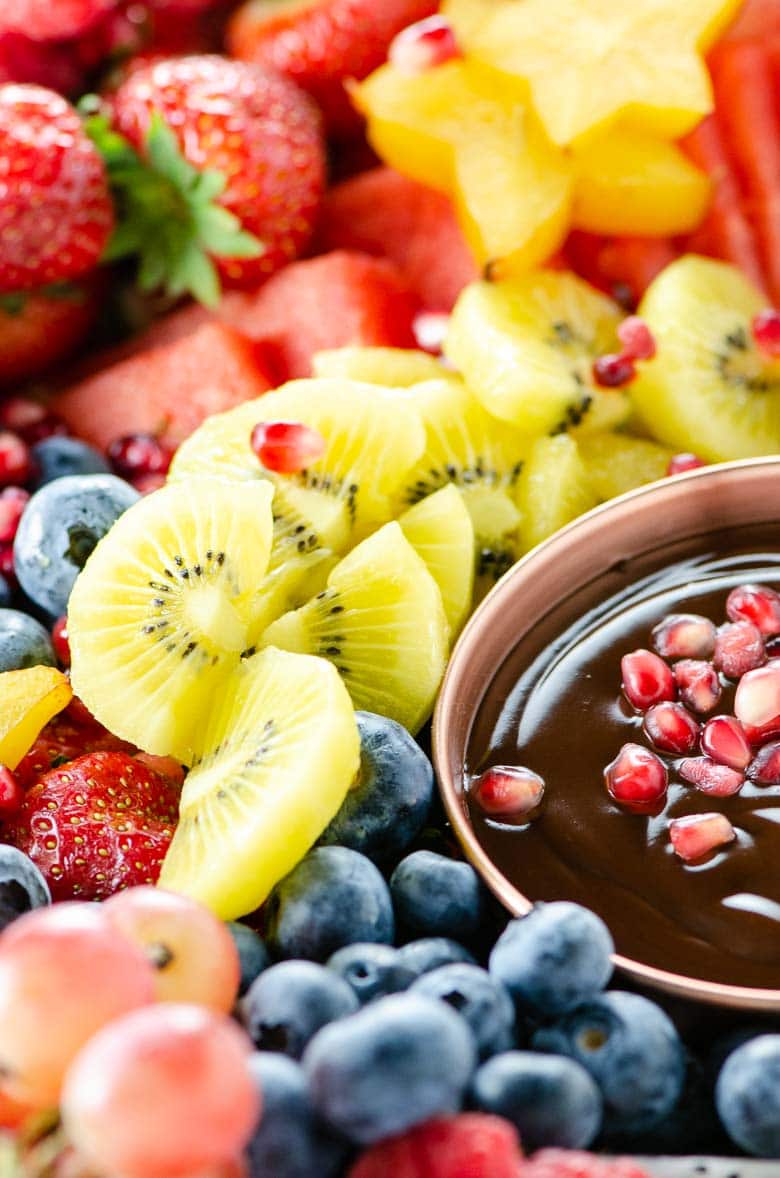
x: 52, y: 20
x: 98, y: 824
x: 218, y: 168
x: 39, y: 327
x: 472, y: 1145
x: 322, y: 43
x: 55, y: 209
x: 562, y: 1163
x: 46, y: 63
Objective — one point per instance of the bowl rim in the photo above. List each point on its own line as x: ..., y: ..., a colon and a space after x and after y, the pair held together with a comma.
x: 448, y: 714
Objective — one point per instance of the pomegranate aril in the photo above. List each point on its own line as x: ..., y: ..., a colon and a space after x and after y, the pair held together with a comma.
x: 430, y: 330
x: 286, y: 446
x: 698, y: 835
x: 614, y: 370
x: 757, y: 604
x: 637, y: 339
x: 684, y: 636
x: 760, y: 733
x: 765, y: 766
x: 15, y: 461
x: 757, y: 699
x: 698, y: 685
x: 636, y: 777
x: 766, y: 332
x: 709, y: 777
x: 671, y: 728
x: 723, y: 738
x: 508, y: 790
x: 13, y: 501
x: 646, y: 679
x: 739, y: 648
x: 680, y: 463
x: 424, y: 45
x: 60, y: 642
x: 135, y: 455
x: 11, y: 793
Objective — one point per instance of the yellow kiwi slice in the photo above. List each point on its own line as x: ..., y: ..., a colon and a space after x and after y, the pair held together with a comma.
x: 526, y: 347
x: 616, y: 463
x: 709, y: 389
x: 163, y: 609
x: 381, y: 622
x: 440, y: 530
x: 280, y: 751
x: 554, y: 488
x: 392, y: 367
x: 370, y: 440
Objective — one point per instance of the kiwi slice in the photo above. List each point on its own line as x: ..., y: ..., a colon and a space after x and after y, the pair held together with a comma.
x: 709, y: 389
x: 163, y: 609
x: 392, y: 367
x: 616, y: 463
x: 371, y: 439
x: 526, y: 347
x: 280, y: 750
x: 381, y: 622
x: 440, y: 530
x: 554, y: 488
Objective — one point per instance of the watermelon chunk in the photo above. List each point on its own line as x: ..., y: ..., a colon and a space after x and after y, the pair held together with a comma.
x: 384, y: 213
x: 169, y: 389
x: 472, y: 1145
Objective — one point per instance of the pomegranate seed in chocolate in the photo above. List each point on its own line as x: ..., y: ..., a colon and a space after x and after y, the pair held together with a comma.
x: 765, y: 767
x: 757, y: 604
x: 723, y: 738
x: 698, y: 835
x: 757, y: 699
x: 646, y: 679
x: 684, y: 636
x: 671, y: 728
x: 698, y: 685
x: 711, y: 778
x: 636, y: 777
x: 508, y: 790
x: 739, y: 647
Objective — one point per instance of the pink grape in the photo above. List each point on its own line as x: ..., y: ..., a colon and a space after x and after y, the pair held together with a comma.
x: 162, y: 1091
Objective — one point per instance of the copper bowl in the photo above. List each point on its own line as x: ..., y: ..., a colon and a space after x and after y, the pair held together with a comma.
x: 673, y: 517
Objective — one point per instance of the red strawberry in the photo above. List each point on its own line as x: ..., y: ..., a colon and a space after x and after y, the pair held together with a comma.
x: 55, y: 210
x: 236, y: 150
x: 321, y: 44
x: 46, y: 63
x: 101, y: 823
x: 65, y: 739
x: 562, y: 1163
x: 472, y: 1145
x: 52, y: 20
x: 40, y: 327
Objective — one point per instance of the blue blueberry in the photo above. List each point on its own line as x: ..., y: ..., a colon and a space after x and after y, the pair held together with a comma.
x: 22, y: 887
x: 555, y: 958
x: 252, y: 953
x: 24, y: 642
x: 334, y: 897
x: 387, y: 806
x: 60, y: 526
x: 395, y: 1063
x: 428, y: 953
x: 290, y: 1140
x: 747, y: 1096
x: 289, y: 1002
x: 373, y: 971
x: 550, y: 1099
x: 632, y: 1051
x: 435, y: 896
x: 57, y: 457
x: 484, y: 1003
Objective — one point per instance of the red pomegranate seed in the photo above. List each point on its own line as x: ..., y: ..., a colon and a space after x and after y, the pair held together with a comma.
x: 614, y: 370
x: 684, y: 636
x: 135, y: 455
x: 723, y: 738
x: 60, y: 641
x: 146, y: 483
x: 13, y: 501
x: 757, y: 699
x: 646, y: 679
x: 698, y: 685
x: 637, y: 339
x: 15, y: 461
x: 739, y: 648
x: 765, y: 766
x: 772, y: 648
x: 423, y: 46
x: 760, y: 733
x: 671, y: 728
x: 286, y: 446
x: 636, y: 777
x: 430, y: 331
x: 697, y: 835
x: 711, y: 778
x: 508, y: 789
x: 766, y: 331
x: 757, y: 604
x: 680, y: 463
x: 11, y: 793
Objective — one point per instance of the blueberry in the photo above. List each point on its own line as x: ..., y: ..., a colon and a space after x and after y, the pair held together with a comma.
x: 395, y: 1063
x: 290, y: 1140
x: 429, y: 953
x: 24, y: 642
x: 436, y: 896
x: 252, y: 953
x: 373, y: 971
x: 550, y: 1099
x: 56, y: 457
x: 555, y: 958
x: 334, y: 897
x: 290, y: 1001
x: 388, y: 804
x: 632, y: 1051
x: 60, y: 526
x: 747, y: 1096
x: 484, y: 1003
x: 22, y: 887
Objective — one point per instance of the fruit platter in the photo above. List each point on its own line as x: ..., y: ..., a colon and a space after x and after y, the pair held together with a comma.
x: 389, y: 589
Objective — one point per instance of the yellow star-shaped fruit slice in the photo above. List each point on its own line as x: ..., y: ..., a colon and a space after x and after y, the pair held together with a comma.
x: 468, y: 132
x: 591, y: 62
